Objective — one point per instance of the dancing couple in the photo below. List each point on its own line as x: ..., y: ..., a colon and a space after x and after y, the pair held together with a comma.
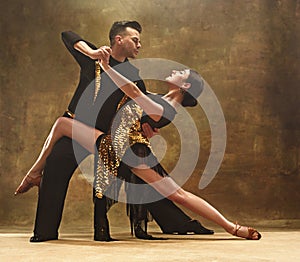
x: 155, y: 110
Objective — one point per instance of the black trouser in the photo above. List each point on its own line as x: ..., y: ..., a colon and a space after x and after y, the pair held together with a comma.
x: 167, y: 215
x: 58, y: 171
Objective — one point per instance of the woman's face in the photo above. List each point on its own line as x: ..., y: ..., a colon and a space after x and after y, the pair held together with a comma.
x: 178, y: 78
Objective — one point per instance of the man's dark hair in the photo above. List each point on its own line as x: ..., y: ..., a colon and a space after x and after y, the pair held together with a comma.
x: 119, y: 27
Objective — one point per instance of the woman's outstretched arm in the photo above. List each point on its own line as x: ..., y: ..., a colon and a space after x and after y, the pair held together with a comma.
x: 151, y: 108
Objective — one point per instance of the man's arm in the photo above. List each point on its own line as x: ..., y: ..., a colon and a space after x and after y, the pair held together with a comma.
x: 87, y: 65
x: 85, y: 62
x: 101, y: 53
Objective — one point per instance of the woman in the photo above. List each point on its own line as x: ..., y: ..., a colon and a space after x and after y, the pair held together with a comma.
x: 183, y: 87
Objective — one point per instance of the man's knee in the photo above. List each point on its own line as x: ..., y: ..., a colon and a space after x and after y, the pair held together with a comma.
x: 61, y: 158
x: 61, y: 150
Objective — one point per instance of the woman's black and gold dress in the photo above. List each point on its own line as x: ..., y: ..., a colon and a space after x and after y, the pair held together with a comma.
x: 126, y: 137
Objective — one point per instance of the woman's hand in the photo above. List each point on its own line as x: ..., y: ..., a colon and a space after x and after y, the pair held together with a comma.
x: 102, y: 53
x: 148, y: 131
x: 104, y: 61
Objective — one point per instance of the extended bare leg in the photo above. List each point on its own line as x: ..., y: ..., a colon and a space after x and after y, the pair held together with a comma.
x: 168, y: 188
x: 83, y: 134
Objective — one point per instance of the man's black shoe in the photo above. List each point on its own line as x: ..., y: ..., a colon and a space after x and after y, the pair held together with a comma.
x: 142, y: 234
x: 37, y: 238
x: 102, y: 234
x: 192, y: 226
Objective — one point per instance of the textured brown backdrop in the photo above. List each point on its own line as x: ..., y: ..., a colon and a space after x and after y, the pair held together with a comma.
x: 248, y: 51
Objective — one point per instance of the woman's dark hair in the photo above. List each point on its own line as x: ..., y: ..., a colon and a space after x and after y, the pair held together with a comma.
x: 192, y: 93
x: 119, y: 27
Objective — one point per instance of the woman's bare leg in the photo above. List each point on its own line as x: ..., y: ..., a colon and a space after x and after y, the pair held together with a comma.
x: 168, y: 188
x: 85, y: 135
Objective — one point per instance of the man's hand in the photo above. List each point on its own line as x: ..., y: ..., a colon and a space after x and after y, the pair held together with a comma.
x: 102, y: 53
x: 148, y: 131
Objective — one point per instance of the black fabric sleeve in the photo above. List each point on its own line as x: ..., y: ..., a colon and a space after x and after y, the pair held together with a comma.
x: 86, y: 63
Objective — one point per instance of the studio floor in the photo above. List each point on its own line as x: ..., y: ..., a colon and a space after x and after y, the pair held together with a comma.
x: 275, y: 245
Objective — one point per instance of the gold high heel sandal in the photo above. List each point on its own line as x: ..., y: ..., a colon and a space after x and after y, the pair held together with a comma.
x: 251, y: 233
x: 27, y: 183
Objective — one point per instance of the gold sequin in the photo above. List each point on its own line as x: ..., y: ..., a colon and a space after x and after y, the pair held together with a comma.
x: 113, y: 146
x: 97, y: 79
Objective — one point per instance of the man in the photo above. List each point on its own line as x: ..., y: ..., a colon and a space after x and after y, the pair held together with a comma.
x: 96, y: 108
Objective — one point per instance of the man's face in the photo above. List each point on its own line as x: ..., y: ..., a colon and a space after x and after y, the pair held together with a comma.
x: 131, y: 42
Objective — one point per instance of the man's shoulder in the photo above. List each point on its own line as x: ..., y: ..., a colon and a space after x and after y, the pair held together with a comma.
x: 127, y: 69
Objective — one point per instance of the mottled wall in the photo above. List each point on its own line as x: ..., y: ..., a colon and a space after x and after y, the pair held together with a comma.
x: 248, y: 51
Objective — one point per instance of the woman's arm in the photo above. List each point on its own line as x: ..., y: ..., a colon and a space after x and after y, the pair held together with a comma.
x: 151, y: 108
